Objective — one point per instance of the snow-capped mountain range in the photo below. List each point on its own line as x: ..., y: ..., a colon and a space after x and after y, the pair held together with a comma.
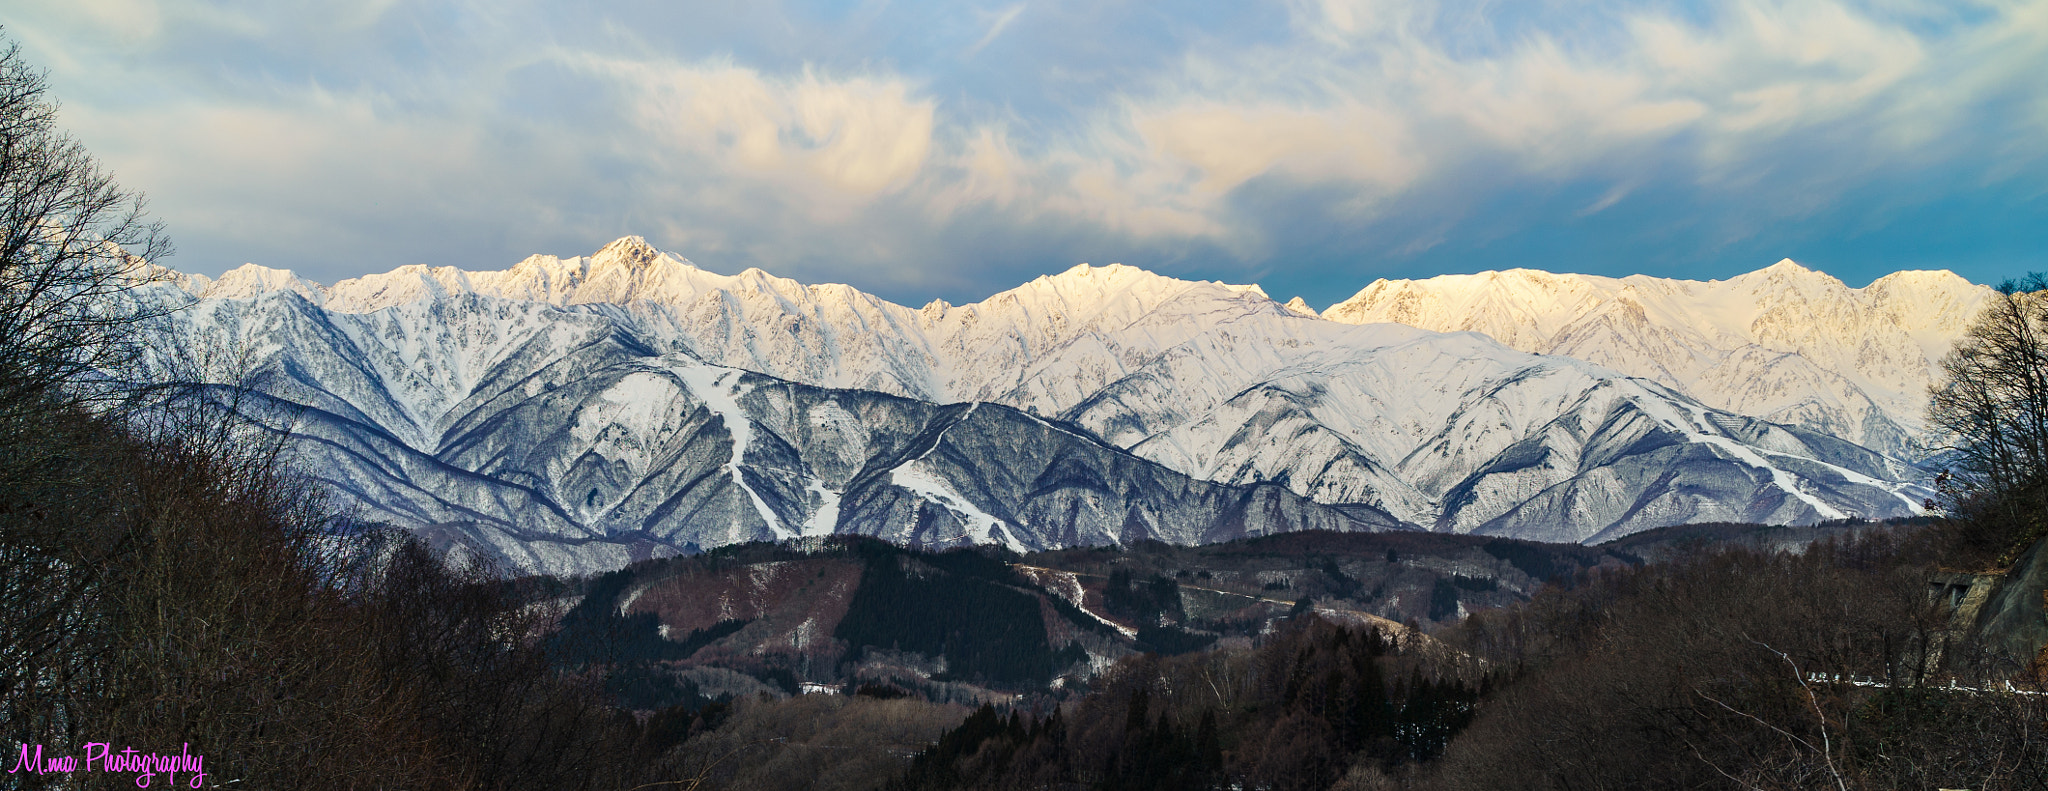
x: 1784, y: 343
x: 574, y: 413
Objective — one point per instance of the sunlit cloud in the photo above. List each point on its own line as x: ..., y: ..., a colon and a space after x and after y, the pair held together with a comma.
x: 959, y: 148
x: 861, y: 135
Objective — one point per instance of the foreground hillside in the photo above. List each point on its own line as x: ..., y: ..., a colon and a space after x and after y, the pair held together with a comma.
x: 1778, y: 656
x: 1723, y: 668
x: 964, y: 626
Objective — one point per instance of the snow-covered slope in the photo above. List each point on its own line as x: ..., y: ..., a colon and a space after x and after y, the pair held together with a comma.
x: 1783, y: 343
x: 630, y: 396
x: 553, y: 441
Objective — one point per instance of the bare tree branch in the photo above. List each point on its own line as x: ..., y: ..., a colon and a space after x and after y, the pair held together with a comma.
x: 74, y: 246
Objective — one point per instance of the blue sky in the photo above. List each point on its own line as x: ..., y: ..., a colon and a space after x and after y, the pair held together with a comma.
x: 921, y: 150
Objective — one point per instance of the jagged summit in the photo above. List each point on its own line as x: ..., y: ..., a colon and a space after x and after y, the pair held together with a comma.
x: 1790, y: 277
x: 1085, y: 269
x: 1115, y: 276
x: 630, y: 270
x: 630, y: 250
x: 1096, y: 280
x: 250, y: 280
x: 1787, y: 265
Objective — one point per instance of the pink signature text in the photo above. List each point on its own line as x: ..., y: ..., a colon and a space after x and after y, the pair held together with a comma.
x: 101, y: 757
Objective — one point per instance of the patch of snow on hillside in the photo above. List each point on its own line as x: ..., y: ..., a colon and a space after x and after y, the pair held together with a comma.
x: 714, y: 385
x: 826, y: 518
x: 981, y: 527
x: 1066, y: 585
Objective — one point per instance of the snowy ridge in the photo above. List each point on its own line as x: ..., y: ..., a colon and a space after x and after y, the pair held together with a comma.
x: 629, y: 398
x: 1783, y: 343
x: 1699, y: 428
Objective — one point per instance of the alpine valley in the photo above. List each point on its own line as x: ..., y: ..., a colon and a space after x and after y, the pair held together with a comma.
x: 573, y: 415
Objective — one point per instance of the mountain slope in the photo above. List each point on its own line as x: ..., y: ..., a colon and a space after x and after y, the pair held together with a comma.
x: 1783, y: 343
x: 631, y: 400
x: 548, y: 439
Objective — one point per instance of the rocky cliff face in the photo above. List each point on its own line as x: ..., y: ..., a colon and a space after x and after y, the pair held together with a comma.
x: 577, y: 413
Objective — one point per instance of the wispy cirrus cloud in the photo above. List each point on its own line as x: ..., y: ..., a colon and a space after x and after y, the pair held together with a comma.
x: 996, y: 27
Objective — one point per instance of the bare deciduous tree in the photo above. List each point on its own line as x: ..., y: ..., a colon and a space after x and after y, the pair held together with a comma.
x: 1991, y: 413
x: 73, y: 245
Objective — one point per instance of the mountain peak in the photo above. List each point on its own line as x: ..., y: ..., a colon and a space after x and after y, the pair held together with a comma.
x: 1300, y: 307
x: 251, y: 280
x: 259, y: 271
x: 1788, y: 268
x: 1099, y: 281
x: 1924, y: 278
x: 1787, y: 272
x: 1126, y: 277
x: 632, y: 251
x: 1089, y: 271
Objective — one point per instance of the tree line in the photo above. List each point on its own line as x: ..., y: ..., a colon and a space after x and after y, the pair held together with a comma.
x: 1315, y: 703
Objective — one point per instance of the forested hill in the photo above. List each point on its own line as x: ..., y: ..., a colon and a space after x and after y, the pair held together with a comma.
x: 984, y: 625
